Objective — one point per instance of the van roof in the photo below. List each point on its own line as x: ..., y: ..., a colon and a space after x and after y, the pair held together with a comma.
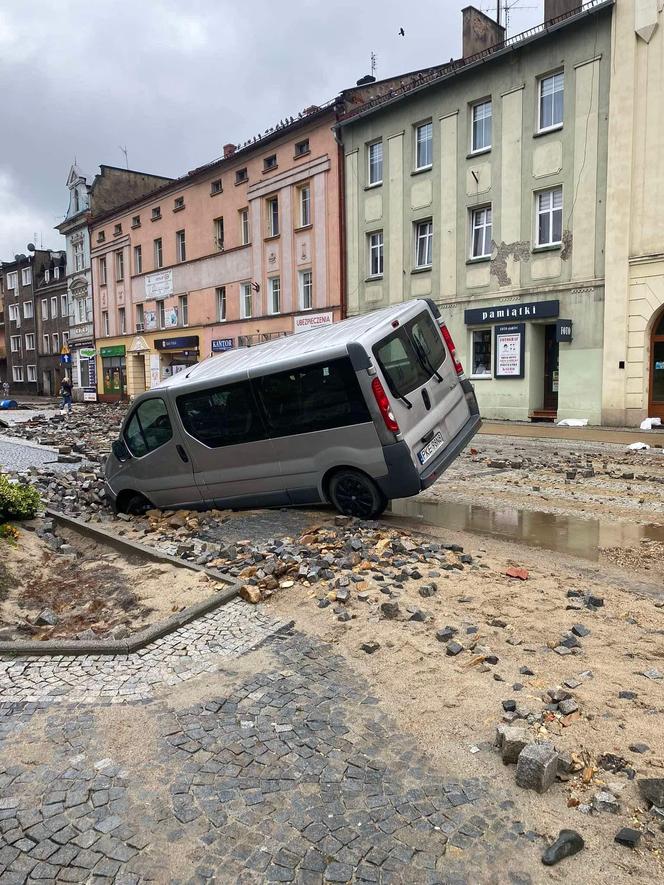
x: 319, y: 342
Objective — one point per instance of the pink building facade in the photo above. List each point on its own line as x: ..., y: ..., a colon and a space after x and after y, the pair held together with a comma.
x: 238, y: 251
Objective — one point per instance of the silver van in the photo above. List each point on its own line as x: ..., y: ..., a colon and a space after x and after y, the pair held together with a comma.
x: 372, y: 408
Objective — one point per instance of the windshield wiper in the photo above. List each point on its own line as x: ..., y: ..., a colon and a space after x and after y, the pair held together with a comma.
x: 424, y: 360
x: 393, y: 389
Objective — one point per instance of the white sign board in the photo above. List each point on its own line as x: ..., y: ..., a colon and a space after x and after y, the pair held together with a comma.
x: 307, y: 321
x: 508, y: 355
x: 89, y: 396
x: 159, y: 285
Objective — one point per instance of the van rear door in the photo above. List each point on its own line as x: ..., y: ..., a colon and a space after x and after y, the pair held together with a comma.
x: 428, y: 401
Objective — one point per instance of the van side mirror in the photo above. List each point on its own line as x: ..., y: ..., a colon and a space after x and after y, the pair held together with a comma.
x: 120, y: 450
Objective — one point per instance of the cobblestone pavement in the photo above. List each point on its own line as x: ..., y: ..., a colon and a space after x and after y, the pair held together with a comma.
x: 18, y: 456
x: 235, y: 751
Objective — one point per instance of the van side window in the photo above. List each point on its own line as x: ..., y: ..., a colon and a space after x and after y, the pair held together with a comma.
x: 317, y: 397
x: 409, y: 356
x: 222, y: 416
x: 148, y: 428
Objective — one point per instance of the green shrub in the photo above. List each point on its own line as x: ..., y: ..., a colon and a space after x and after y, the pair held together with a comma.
x: 17, y: 501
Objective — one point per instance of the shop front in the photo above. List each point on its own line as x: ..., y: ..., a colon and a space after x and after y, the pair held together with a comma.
x: 113, y: 372
x: 84, y: 370
x: 176, y: 354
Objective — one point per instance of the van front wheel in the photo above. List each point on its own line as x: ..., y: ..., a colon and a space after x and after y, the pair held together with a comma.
x: 354, y: 494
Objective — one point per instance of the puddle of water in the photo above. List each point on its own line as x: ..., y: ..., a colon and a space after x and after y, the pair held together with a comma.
x: 550, y: 531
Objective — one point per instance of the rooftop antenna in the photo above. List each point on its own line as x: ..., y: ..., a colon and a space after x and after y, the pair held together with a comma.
x: 124, y: 151
x: 373, y: 64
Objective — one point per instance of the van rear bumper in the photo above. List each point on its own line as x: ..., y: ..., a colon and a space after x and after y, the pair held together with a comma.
x: 458, y: 444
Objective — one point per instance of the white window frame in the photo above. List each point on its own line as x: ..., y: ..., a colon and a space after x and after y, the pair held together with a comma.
x: 17, y: 374
x: 375, y: 165
x: 180, y: 245
x: 56, y: 273
x: 30, y: 341
x: 304, y: 201
x: 272, y: 209
x: 425, y: 128
x: 103, y: 271
x: 375, y: 241
x: 245, y: 229
x: 15, y: 314
x: 54, y: 307
x: 540, y: 98
x: 158, y: 252
x: 183, y: 309
x: 28, y: 310
x: 122, y: 321
x: 306, y: 289
x: 489, y: 373
x: 56, y: 342
x: 222, y: 306
x: 161, y: 314
x: 119, y: 265
x: 78, y: 256
x: 47, y: 276
x: 65, y: 339
x: 32, y: 374
x: 138, y: 259
x: 12, y: 280
x: 64, y: 306
x: 424, y: 236
x: 219, y: 233
x: 15, y: 343
x: 26, y: 276
x: 46, y: 342
x: 140, y: 316
x: 478, y: 222
x: 106, y: 329
x: 274, y: 295
x: 475, y: 118
x: 246, y: 301
x: 550, y: 210
x: 44, y: 308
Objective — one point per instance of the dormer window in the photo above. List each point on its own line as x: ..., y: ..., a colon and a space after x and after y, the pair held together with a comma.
x: 178, y: 204
x: 77, y: 203
x: 241, y: 175
x: 101, y: 236
x: 270, y: 163
x: 136, y: 221
x: 156, y: 213
x: 215, y: 186
x: 117, y: 230
x: 47, y: 276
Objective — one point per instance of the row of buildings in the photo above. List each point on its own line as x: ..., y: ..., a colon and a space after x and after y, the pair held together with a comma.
x: 519, y: 186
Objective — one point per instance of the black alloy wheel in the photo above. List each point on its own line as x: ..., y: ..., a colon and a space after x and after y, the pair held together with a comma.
x: 354, y: 494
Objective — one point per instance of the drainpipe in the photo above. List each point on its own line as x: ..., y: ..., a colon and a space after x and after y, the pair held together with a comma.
x: 342, y: 219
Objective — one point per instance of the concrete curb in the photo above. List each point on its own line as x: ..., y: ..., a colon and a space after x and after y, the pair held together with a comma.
x: 27, y: 647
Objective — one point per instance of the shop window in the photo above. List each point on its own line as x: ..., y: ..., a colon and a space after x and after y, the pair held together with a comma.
x: 222, y: 416
x: 481, y: 354
x: 149, y: 428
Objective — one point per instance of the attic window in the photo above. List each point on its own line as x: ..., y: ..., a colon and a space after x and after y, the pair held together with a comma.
x: 101, y: 236
x: 178, y: 204
x: 215, y: 186
x: 302, y: 147
x: 117, y: 230
x: 136, y: 221
x: 156, y: 213
x: 241, y: 175
x: 270, y: 163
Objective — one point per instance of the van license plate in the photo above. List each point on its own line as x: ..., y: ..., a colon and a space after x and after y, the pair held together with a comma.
x: 429, y: 449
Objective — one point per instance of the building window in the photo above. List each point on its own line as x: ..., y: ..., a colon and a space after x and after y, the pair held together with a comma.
x: 77, y: 202
x: 46, y: 344
x: 244, y: 227
x: 246, y: 300
x: 47, y: 276
x: 158, y: 254
x: 241, y: 176
x: 17, y: 373
x: 221, y: 303
x: 138, y: 259
x: 12, y: 280
x: 64, y: 306
x: 30, y: 341
x: 274, y: 284
x: 78, y: 256
x: 28, y: 310
x: 156, y: 213
x: 14, y: 313
x: 122, y: 321
x: 481, y: 126
x: 26, y: 276
x: 376, y: 254
x: 140, y: 317
x: 104, y: 321
x: 424, y: 244
x: 102, y: 271
x: 56, y: 273
x: 178, y: 203
x: 119, y: 266
x: 180, y: 248
x: 161, y: 309
x: 551, y: 95
x: 375, y: 161
x: 15, y: 343
x: 304, y: 194
x: 219, y: 233
x: 44, y: 309
x: 215, y: 186
x: 56, y: 342
x: 270, y: 163
x: 306, y: 290
x: 481, y: 232
x: 54, y: 307
x: 32, y: 373
x: 101, y: 236
x: 272, y: 206
x: 424, y: 145
x: 481, y: 353
x: 183, y: 310
x: 65, y: 339
x: 136, y: 221
x: 117, y: 230
x: 302, y: 147
x: 550, y: 217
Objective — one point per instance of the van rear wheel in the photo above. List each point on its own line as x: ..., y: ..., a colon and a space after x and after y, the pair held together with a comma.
x: 355, y: 494
x: 135, y: 505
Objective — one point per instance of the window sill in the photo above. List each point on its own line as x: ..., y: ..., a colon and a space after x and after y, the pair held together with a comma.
x: 373, y: 278
x: 548, y: 247
x: 271, y: 237
x: 423, y: 169
x: 478, y: 153
x: 241, y: 181
x: 303, y: 227
x: 270, y: 169
x: 303, y: 154
x: 370, y: 187
x: 156, y: 218
x: 118, y: 234
x: 178, y: 208
x: 479, y: 259
x: 215, y: 193
x: 305, y: 309
x: 425, y: 269
x: 135, y: 226
x: 541, y: 132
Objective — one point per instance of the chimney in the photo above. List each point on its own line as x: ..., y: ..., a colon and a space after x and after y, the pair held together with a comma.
x: 229, y: 150
x: 479, y: 31
x: 554, y: 8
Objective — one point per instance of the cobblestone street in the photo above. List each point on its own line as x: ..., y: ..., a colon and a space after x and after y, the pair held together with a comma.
x: 235, y: 750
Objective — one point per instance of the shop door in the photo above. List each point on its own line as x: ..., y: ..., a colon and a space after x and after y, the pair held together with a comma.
x: 550, y: 369
x: 656, y: 388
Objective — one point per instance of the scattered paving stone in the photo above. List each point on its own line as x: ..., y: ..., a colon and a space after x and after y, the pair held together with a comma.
x: 639, y: 748
x: 629, y: 837
x: 627, y: 695
x: 453, y: 648
x: 390, y: 610
x: 652, y: 789
x: 537, y: 767
x: 568, y: 706
x: 568, y: 843
x: 514, y: 740
x: 580, y: 630
x: 605, y: 802
x: 370, y: 647
x: 509, y: 706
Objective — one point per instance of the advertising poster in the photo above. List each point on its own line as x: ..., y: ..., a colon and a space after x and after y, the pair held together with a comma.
x: 150, y: 320
x: 510, y: 347
x: 159, y: 285
x: 171, y: 317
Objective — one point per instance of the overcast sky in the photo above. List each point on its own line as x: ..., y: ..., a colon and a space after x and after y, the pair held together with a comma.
x: 173, y: 81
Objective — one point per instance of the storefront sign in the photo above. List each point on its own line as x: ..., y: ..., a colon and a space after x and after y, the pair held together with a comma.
x: 312, y: 321
x: 88, y: 353
x: 159, y: 285
x: 221, y: 344
x: 188, y: 343
x: 150, y: 320
x: 115, y: 350
x: 534, y: 310
x: 89, y: 396
x: 510, y: 349
x: 563, y: 330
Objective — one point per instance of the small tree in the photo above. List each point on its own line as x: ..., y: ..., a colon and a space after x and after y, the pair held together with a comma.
x: 17, y: 501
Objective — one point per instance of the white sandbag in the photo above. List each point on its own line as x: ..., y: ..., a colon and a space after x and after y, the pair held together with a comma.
x: 637, y: 447
x: 649, y: 423
x: 573, y: 422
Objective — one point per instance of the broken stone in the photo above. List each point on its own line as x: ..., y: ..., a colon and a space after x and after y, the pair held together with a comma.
x: 251, y: 594
x: 390, y: 610
x: 454, y: 648
x: 605, y: 801
x: 418, y: 615
x: 427, y: 590
x: 446, y: 633
x: 568, y: 843
x: 568, y: 706
x: 639, y: 748
x: 509, y: 706
x: 47, y: 618
x: 514, y: 741
x: 627, y: 695
x: 580, y: 630
x: 515, y: 572
x: 343, y: 594
x: 629, y: 837
x: 652, y: 789
x: 537, y: 767
x: 370, y: 647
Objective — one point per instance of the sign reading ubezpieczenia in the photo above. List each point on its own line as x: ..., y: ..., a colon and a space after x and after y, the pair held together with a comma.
x: 159, y: 285
x: 307, y: 321
x: 510, y: 341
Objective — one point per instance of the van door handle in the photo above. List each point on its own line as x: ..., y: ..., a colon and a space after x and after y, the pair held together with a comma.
x: 181, y: 452
x: 427, y: 437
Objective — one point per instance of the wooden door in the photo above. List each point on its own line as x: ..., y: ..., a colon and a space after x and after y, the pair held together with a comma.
x: 656, y: 385
x: 550, y: 369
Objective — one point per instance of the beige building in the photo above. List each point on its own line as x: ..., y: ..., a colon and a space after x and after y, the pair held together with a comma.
x: 633, y: 370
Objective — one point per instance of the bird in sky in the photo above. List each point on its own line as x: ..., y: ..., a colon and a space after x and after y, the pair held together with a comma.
x: 402, y: 33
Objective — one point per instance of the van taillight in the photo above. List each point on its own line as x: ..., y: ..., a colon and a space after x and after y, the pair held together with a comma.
x: 384, y: 406
x: 447, y: 338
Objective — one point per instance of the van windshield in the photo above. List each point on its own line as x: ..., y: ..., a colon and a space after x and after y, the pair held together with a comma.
x: 410, y: 355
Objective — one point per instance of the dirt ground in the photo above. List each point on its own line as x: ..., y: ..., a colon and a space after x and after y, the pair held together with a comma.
x: 452, y: 705
x: 90, y: 588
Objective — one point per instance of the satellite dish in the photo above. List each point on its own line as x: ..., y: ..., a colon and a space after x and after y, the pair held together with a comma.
x: 31, y: 247
x: 17, y: 257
